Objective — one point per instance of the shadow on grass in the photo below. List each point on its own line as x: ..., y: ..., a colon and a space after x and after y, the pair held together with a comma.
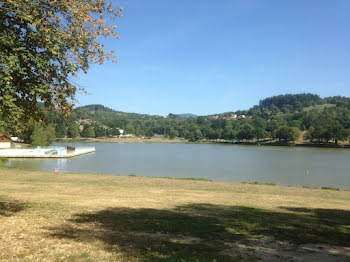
x: 10, y: 207
x: 200, y: 232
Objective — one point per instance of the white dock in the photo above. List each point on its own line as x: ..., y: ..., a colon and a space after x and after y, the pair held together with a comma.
x: 47, y: 152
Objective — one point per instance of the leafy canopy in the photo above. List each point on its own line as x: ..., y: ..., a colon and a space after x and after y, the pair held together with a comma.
x: 43, y: 44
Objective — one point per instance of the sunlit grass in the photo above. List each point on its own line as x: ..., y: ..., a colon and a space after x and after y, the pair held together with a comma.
x: 75, y: 217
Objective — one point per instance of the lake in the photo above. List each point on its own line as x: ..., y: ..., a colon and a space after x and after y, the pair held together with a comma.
x: 315, y: 167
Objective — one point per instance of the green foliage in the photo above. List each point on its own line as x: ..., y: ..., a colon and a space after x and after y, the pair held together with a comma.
x: 88, y: 131
x: 323, y: 124
x: 259, y: 133
x: 290, y: 102
x: 287, y: 133
x: 148, y: 133
x: 38, y: 137
x: 330, y: 124
x: 100, y: 131
x: 43, y: 136
x: 246, y: 132
x: 264, y: 124
x: 173, y: 133
x: 113, y: 132
x: 43, y: 44
x: 60, y: 128
x: 73, y: 130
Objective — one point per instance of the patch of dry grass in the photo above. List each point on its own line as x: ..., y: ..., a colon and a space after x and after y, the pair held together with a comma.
x: 75, y: 217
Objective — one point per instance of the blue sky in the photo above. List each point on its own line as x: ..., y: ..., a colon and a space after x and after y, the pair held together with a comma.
x: 205, y: 57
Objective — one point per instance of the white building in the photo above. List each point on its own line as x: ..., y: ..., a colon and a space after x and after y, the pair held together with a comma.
x: 5, y: 141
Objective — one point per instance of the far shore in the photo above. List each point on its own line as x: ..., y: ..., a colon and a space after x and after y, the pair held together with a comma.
x: 299, y: 143
x: 122, y: 140
x: 283, y: 143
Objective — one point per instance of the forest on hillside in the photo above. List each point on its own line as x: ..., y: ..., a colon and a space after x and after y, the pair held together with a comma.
x: 284, y: 117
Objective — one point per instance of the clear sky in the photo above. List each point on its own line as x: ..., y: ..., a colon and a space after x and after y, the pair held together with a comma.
x: 205, y: 57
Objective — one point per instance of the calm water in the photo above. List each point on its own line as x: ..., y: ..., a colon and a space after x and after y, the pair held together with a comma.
x: 233, y: 163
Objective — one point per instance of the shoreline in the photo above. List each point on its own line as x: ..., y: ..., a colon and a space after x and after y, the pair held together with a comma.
x: 120, y: 140
x: 286, y: 144
x: 195, y: 179
x: 183, y: 141
x: 182, y: 179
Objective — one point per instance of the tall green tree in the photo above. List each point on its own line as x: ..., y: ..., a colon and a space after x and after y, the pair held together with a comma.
x: 60, y: 127
x: 43, y: 136
x: 246, y: 132
x: 88, y: 131
x: 173, y: 133
x: 43, y: 44
x: 338, y: 132
x: 73, y: 130
x: 100, y: 131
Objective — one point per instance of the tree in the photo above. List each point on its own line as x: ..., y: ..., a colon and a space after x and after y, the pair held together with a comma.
x: 287, y: 133
x: 113, y: 132
x: 38, y: 137
x: 42, y: 45
x: 259, y: 133
x: 294, y: 123
x: 259, y: 122
x: 100, y: 131
x: 338, y: 132
x: 129, y: 129
x: 319, y: 133
x: 149, y: 133
x: 43, y: 136
x: 73, y: 130
x: 190, y: 136
x: 88, y: 131
x: 274, y: 124
x: 60, y: 127
x: 173, y: 133
x: 274, y: 109
x: 198, y: 134
x: 228, y: 133
x: 246, y: 132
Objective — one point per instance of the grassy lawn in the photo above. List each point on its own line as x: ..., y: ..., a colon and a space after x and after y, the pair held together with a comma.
x: 318, y: 107
x: 74, y: 217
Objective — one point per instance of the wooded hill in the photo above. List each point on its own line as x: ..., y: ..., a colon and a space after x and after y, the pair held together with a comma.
x: 284, y: 117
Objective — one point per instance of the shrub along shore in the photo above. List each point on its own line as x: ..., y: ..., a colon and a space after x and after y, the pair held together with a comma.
x: 78, y: 217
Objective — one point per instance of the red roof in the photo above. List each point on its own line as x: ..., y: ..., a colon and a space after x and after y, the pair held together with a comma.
x: 4, y: 138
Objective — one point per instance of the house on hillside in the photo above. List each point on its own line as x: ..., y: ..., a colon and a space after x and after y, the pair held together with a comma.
x: 121, y: 131
x: 15, y: 139
x: 5, y: 141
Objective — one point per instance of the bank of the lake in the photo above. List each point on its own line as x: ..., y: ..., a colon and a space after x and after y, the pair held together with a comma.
x: 121, y: 140
x: 77, y: 217
x: 284, y: 143
x: 299, y: 143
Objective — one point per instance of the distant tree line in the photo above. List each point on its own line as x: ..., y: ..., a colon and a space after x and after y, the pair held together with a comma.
x: 291, y: 102
x: 284, y: 118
